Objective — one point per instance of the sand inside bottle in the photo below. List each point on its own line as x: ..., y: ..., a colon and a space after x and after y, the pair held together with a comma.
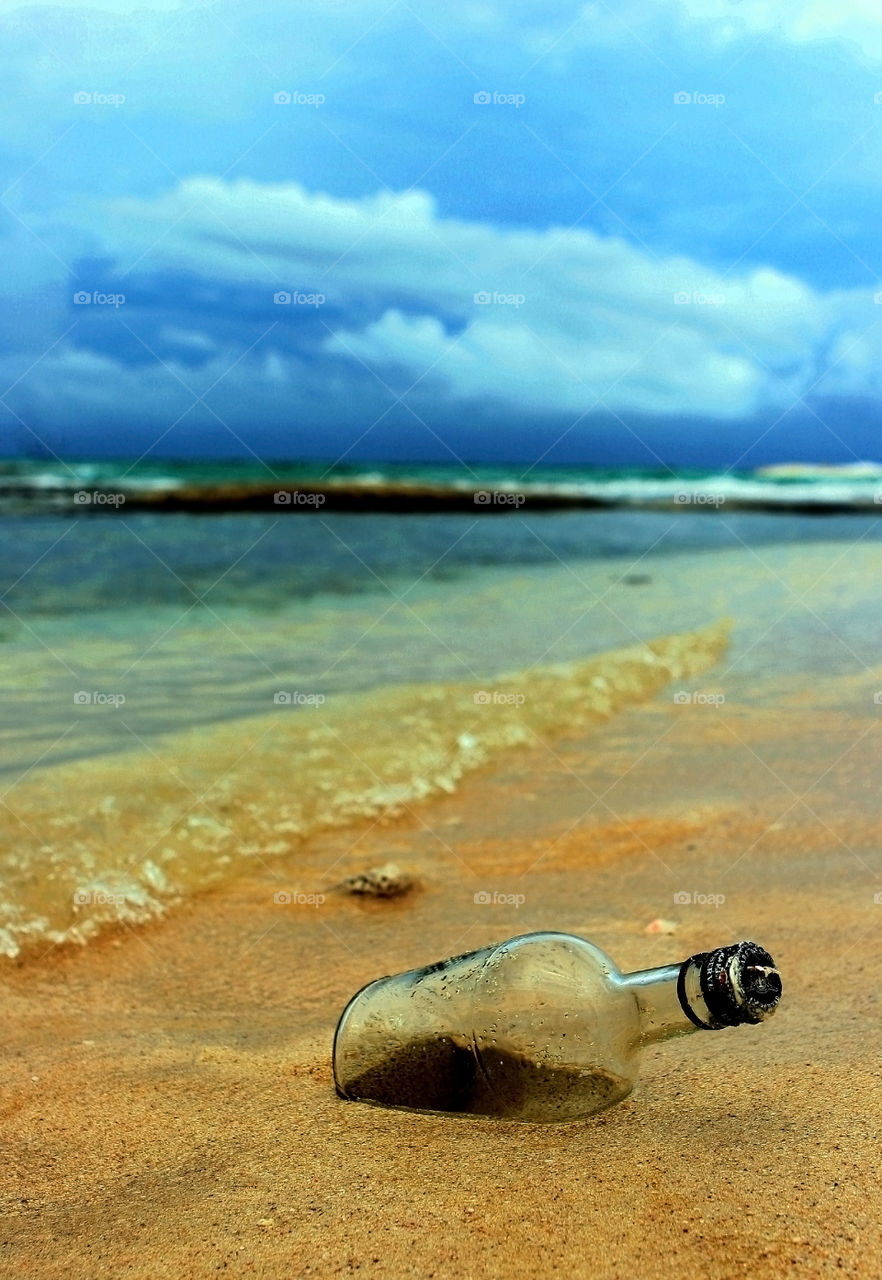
x: 440, y: 1074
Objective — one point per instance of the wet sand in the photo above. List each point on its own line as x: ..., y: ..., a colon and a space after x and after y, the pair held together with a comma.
x: 168, y: 1105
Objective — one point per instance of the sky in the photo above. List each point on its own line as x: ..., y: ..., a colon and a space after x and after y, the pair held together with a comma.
x: 639, y: 232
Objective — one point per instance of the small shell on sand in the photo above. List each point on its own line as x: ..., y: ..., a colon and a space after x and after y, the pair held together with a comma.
x: 660, y: 926
x: 388, y: 881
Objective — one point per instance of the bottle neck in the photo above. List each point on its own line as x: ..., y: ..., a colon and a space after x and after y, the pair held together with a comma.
x: 662, y: 1011
x: 727, y: 987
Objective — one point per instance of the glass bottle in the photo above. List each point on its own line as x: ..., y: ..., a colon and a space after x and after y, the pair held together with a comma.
x: 543, y: 1027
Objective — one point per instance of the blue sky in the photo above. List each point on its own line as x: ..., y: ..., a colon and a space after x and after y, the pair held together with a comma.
x: 625, y: 231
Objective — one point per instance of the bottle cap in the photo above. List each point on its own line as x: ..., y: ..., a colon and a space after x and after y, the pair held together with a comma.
x: 738, y: 984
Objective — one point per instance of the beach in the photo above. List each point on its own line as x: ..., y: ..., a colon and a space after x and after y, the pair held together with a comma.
x: 440, y: 496
x: 169, y: 1106
x: 168, y: 1100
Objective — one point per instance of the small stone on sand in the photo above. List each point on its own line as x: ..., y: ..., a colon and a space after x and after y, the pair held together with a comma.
x: 388, y: 881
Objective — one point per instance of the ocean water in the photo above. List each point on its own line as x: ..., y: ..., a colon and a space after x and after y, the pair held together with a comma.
x: 185, y: 694
x: 28, y: 483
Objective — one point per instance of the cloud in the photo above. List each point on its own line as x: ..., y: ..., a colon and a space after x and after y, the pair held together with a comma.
x: 506, y: 360
x: 856, y: 22
x: 190, y: 339
x: 628, y: 302
x: 551, y: 320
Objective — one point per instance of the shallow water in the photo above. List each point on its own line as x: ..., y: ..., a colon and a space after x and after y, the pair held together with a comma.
x: 117, y: 632
x: 162, y: 733
x: 150, y: 825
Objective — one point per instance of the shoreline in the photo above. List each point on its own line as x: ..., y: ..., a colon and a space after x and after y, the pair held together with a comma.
x: 151, y: 827
x: 307, y: 497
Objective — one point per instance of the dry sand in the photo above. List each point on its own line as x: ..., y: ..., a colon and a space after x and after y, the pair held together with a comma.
x: 168, y: 1106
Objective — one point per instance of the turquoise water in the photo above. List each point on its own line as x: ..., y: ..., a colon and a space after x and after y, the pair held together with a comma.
x: 201, y: 619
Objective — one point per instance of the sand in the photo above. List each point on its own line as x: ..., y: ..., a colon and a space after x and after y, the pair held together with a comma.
x: 168, y: 1104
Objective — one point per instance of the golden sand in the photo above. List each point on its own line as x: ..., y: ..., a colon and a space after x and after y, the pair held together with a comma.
x: 168, y: 1106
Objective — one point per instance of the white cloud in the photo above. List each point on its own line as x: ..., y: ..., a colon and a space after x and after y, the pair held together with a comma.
x: 573, y: 317
x: 670, y: 372
x: 192, y: 339
x: 856, y: 21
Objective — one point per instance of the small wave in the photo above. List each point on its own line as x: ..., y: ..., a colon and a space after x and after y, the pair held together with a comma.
x: 29, y: 487
x: 120, y: 839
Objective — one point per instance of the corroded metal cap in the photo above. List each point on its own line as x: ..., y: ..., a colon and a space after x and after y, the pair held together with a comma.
x: 729, y: 986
